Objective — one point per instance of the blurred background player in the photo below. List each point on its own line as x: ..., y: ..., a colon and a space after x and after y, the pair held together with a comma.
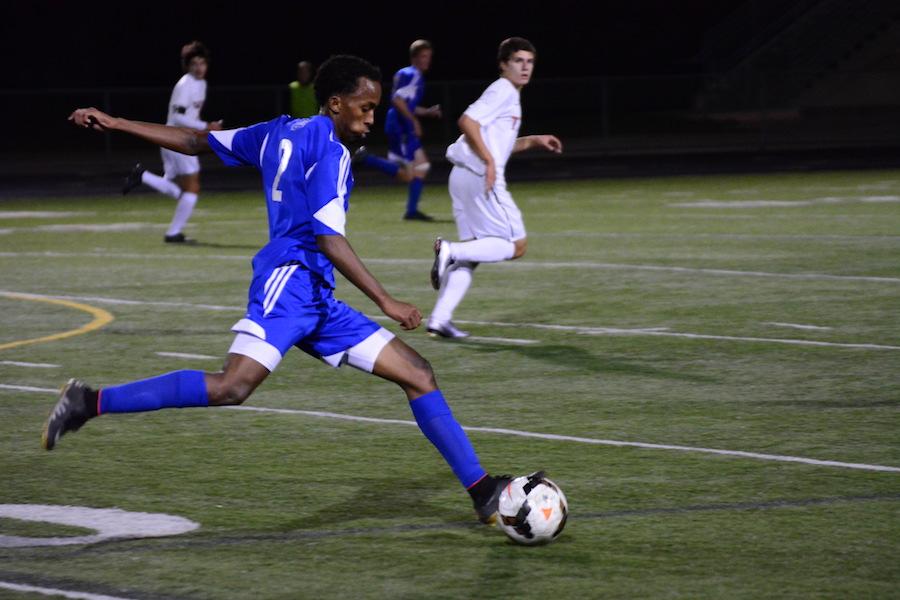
x: 302, y: 94
x: 404, y: 132
x: 181, y: 177
x: 307, y: 181
x: 486, y: 215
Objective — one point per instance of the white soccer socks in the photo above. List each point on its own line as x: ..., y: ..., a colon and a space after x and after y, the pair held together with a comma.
x: 489, y: 249
x: 182, y: 212
x: 161, y: 184
x: 453, y: 289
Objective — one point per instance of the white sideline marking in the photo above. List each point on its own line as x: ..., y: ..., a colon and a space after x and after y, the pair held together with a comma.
x: 502, y: 340
x: 40, y: 214
x: 561, y: 438
x: 18, y: 587
x: 627, y: 267
x: 659, y: 332
x: 96, y: 227
x: 28, y: 388
x: 585, y: 440
x: 582, y: 329
x: 797, y: 326
x: 512, y: 265
x: 16, y: 363
x: 782, y: 203
x: 187, y: 355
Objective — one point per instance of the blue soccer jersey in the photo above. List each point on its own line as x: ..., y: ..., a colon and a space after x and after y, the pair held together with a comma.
x: 409, y: 84
x: 306, y: 179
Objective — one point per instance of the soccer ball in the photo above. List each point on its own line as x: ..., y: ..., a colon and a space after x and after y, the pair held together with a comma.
x: 532, y: 510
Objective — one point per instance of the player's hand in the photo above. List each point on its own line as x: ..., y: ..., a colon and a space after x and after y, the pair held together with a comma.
x: 435, y: 111
x: 93, y: 118
x: 417, y: 128
x: 490, y: 176
x: 549, y: 142
x: 407, y: 315
x: 214, y: 125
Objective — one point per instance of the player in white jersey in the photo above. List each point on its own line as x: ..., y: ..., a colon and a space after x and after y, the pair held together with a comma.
x: 487, y: 218
x: 181, y: 178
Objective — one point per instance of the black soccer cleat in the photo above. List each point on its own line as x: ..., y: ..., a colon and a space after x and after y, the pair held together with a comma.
x: 179, y: 238
x: 69, y: 414
x: 446, y: 330
x: 417, y: 216
x: 486, y: 507
x: 134, y: 178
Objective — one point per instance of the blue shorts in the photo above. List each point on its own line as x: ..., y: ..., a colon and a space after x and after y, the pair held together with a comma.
x: 290, y: 306
x: 402, y: 146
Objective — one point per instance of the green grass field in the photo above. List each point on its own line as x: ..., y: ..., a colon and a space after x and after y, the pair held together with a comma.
x: 755, y: 314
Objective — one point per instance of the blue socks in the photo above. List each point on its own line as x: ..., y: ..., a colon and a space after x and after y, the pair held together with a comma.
x: 178, y: 389
x: 382, y: 164
x: 415, y: 191
x: 437, y: 423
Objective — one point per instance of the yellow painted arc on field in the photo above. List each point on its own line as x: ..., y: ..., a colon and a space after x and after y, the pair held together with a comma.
x: 101, y: 318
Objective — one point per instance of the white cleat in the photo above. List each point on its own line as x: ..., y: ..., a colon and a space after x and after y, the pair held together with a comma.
x: 446, y: 329
x: 442, y: 260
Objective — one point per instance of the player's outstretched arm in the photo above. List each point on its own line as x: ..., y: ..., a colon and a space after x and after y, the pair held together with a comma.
x: 342, y: 256
x: 179, y: 139
x: 547, y: 142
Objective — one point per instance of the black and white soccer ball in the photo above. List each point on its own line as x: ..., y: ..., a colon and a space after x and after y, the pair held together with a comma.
x: 532, y: 510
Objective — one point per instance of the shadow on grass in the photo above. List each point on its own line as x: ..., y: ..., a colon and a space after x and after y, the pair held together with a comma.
x: 387, y: 497
x: 580, y: 359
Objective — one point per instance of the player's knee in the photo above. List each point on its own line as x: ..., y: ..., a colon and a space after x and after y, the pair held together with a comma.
x: 228, y: 392
x: 521, y: 246
x: 420, y: 170
x: 421, y: 375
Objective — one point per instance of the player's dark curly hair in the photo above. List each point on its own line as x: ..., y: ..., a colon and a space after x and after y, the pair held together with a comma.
x: 340, y: 75
x: 192, y: 49
x: 510, y: 46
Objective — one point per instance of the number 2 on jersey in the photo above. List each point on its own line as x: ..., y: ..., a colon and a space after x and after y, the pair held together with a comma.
x: 284, y: 148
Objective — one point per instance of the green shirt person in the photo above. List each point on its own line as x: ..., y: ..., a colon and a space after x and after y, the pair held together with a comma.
x: 303, y: 98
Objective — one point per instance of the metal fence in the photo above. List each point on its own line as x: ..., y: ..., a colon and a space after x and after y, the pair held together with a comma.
x: 599, y: 114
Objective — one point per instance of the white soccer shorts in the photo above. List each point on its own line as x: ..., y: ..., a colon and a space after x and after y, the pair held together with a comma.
x: 175, y: 164
x: 481, y: 213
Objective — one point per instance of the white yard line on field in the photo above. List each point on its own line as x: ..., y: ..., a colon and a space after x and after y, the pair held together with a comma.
x: 551, y: 436
x: 579, y: 329
x: 514, y: 265
x: 661, y: 332
x: 18, y: 587
x: 797, y: 326
x: 28, y: 388
x: 502, y: 340
x: 188, y: 355
x: 585, y: 440
x: 16, y: 363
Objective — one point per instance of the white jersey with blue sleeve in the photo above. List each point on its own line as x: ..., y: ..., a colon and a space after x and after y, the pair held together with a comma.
x: 306, y: 179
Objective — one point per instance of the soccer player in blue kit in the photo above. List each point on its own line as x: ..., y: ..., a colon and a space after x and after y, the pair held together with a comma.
x: 403, y: 129
x: 305, y: 167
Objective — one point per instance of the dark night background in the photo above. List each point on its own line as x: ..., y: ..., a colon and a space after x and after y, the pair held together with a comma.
x: 633, y: 87
x: 69, y: 44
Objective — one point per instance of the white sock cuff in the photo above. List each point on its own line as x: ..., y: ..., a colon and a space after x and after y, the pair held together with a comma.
x: 161, y: 184
x: 489, y: 249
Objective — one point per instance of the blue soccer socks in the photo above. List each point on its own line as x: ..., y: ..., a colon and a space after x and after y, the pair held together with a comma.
x: 382, y: 164
x: 437, y: 423
x: 178, y: 389
x: 415, y: 192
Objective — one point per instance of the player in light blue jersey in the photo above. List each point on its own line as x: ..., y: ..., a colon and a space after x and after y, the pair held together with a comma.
x: 305, y: 167
x: 403, y: 129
